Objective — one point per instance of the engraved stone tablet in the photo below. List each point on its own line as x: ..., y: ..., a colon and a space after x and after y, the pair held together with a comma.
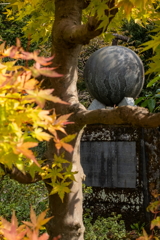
x: 109, y: 164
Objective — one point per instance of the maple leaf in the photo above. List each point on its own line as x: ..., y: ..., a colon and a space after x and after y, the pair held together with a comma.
x: 41, y: 135
x: 145, y: 236
x: 59, y: 144
x: 63, y: 143
x: 127, y: 5
x: 59, y: 123
x: 153, y: 206
x: 37, y: 222
x: 24, y: 149
x: 44, y: 115
x: 2, y: 47
x: 55, y: 128
x: 61, y: 188
x: 69, y: 174
x: 2, y: 66
x: 63, y: 120
x: 69, y: 138
x: 46, y: 71
x: 41, y: 60
x: 11, y: 231
x: 54, y: 173
x: 58, y: 160
x: 155, y: 222
x: 30, y: 84
x: 12, y: 52
x: 40, y: 96
x: 44, y: 236
x: 33, y: 235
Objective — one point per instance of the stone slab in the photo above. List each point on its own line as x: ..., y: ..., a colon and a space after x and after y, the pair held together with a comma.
x: 109, y: 164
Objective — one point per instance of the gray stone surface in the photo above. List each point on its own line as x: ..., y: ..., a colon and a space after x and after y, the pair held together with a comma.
x: 112, y: 73
x: 127, y: 101
x: 96, y: 105
x: 109, y: 164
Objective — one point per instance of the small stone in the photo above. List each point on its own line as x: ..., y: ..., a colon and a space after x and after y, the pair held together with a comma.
x: 96, y: 105
x: 127, y: 101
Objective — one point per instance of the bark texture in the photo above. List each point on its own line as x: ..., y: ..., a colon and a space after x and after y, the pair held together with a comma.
x: 67, y: 219
x: 136, y: 116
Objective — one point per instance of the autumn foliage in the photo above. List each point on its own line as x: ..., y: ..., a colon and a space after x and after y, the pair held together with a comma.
x: 154, y: 208
x: 28, y: 231
x: 23, y: 121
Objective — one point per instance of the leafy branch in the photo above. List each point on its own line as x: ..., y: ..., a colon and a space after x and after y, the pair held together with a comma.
x: 23, y: 121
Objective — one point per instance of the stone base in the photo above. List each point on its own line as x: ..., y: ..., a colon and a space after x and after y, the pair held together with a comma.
x: 98, y: 105
x: 127, y: 101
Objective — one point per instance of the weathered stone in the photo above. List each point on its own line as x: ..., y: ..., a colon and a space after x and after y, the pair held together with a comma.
x: 107, y: 165
x: 96, y: 105
x: 112, y: 73
x: 127, y: 101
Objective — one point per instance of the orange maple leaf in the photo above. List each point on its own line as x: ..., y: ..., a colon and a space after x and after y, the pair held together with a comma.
x: 127, y: 5
x: 11, y: 231
x: 24, y: 149
x: 59, y: 144
x: 37, y: 221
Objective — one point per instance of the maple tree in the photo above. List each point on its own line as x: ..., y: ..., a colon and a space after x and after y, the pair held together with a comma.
x: 71, y: 24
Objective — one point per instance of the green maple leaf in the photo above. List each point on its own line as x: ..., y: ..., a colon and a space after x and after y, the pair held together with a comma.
x: 61, y: 188
x: 54, y: 173
x: 69, y: 174
x: 59, y: 160
x: 155, y: 222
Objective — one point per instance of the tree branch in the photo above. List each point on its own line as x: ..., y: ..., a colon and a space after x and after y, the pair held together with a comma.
x: 119, y: 37
x: 136, y: 116
x: 26, y: 178
x: 86, y: 3
x: 82, y: 34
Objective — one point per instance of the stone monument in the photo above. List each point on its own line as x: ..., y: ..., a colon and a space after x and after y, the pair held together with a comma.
x: 114, y: 73
x: 118, y: 160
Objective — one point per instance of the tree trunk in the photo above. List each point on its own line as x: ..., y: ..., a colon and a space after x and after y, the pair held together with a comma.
x: 67, y: 220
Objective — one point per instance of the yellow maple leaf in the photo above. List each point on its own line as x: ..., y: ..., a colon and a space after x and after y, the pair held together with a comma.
x: 41, y: 135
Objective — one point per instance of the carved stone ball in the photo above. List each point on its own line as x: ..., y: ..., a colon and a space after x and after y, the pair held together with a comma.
x: 112, y: 73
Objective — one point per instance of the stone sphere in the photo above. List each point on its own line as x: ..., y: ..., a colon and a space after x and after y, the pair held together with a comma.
x: 112, y: 73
